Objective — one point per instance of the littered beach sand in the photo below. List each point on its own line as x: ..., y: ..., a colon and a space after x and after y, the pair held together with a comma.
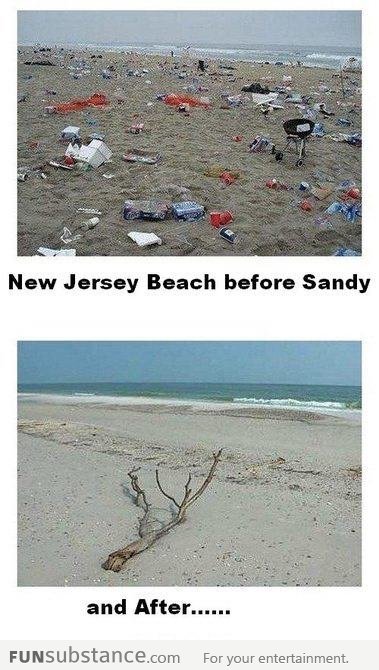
x: 284, y: 508
x: 266, y: 222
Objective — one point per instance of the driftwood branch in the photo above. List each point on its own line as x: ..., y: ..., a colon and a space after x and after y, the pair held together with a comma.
x: 148, y: 537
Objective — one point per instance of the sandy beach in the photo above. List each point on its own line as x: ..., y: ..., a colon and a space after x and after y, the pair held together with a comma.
x: 267, y: 222
x: 284, y: 508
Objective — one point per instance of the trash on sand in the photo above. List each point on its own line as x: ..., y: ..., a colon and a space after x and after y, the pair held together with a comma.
x: 150, y: 210
x: 188, y: 211
x: 318, y: 130
x: 321, y: 192
x: 144, y: 239
x: 61, y: 164
x: 67, y: 236
x: 344, y: 122
x: 228, y: 235
x: 255, y: 88
x: 345, y: 251
x: 174, y: 100
x: 139, y: 156
x: 95, y: 100
x: 217, y: 170
x: 262, y: 99
x: 136, y: 128
x: 355, y: 139
x: 349, y: 211
x: 353, y: 193
x: 88, y: 210
x: 234, y: 100
x: 237, y: 138
x: 218, y: 219
x: 95, y: 153
x: 45, y: 251
x: 90, y: 224
x: 276, y: 185
x: 97, y: 136
x: 346, y: 185
x: 22, y: 175
x: 294, y: 98
x: 305, y: 205
x: 108, y: 175
x: 40, y: 62
x: 259, y: 144
x: 227, y: 178
x: 70, y: 133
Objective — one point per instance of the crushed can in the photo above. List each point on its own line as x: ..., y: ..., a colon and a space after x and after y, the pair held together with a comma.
x: 228, y: 235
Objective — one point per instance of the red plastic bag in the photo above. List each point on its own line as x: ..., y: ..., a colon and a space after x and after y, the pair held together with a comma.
x: 96, y: 100
x: 175, y: 100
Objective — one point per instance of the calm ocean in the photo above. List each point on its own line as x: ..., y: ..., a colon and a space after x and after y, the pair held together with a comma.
x: 280, y: 395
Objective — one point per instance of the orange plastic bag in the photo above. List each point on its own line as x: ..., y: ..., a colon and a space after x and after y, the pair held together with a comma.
x: 96, y: 100
x: 175, y: 100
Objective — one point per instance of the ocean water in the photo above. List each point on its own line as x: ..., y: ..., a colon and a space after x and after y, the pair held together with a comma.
x: 275, y: 395
x: 313, y: 56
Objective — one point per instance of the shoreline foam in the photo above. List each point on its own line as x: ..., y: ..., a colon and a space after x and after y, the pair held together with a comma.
x: 210, y: 405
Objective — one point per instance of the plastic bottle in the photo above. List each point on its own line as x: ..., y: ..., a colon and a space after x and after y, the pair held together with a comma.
x: 89, y: 224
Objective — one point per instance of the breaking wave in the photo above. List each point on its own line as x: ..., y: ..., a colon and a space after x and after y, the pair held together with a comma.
x: 292, y: 402
x: 317, y: 56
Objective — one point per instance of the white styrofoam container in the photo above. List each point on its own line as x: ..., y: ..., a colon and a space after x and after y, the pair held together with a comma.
x: 95, y: 153
x: 102, y: 147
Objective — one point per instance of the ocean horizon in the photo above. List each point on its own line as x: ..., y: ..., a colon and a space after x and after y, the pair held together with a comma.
x: 306, y: 396
x: 309, y: 55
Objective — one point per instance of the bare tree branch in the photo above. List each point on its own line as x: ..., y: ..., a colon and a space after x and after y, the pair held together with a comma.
x: 116, y: 559
x: 166, y: 495
x: 207, y: 480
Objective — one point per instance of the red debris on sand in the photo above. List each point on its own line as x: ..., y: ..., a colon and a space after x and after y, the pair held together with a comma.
x: 306, y: 206
x: 175, y: 100
x: 227, y: 178
x: 95, y: 100
x: 218, y: 219
x: 353, y: 193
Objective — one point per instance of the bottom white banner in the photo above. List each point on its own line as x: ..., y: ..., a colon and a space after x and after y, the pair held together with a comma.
x: 191, y: 655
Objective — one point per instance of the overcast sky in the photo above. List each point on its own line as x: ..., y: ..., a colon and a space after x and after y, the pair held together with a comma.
x: 222, y: 362
x: 316, y: 28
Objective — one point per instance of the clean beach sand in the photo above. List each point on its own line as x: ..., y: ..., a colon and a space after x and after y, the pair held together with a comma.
x: 267, y: 222
x: 284, y: 508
